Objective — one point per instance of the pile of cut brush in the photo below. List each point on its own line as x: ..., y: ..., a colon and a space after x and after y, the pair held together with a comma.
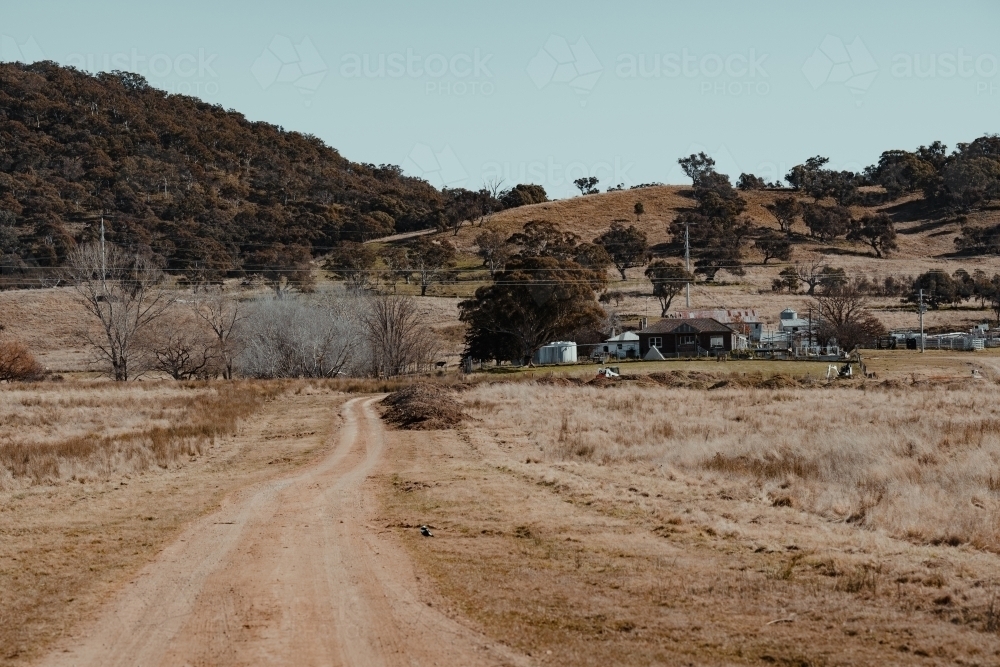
x: 422, y: 406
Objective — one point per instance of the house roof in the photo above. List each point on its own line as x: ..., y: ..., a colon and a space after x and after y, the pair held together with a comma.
x: 693, y: 325
x: 624, y: 337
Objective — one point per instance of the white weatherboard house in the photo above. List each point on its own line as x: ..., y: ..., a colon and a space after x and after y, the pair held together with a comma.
x: 623, y: 346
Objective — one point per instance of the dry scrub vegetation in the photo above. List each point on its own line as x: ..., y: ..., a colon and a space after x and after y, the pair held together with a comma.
x: 646, y: 524
x: 920, y: 464
x: 89, y: 431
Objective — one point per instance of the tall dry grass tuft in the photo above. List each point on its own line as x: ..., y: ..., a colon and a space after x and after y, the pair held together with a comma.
x: 80, y: 432
x: 919, y: 463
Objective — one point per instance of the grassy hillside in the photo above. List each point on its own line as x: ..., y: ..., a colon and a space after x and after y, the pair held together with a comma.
x: 920, y: 238
x: 924, y: 244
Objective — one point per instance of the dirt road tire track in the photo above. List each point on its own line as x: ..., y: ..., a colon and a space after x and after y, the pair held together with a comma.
x: 289, y: 572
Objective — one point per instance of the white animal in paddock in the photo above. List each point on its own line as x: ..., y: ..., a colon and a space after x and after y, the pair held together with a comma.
x: 832, y: 371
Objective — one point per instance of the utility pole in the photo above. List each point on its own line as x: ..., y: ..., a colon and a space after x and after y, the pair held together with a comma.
x: 809, y: 347
x: 104, y: 263
x: 922, y: 321
x: 687, y: 266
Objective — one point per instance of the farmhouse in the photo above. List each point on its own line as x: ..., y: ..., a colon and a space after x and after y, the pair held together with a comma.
x: 686, y: 337
x: 742, y: 320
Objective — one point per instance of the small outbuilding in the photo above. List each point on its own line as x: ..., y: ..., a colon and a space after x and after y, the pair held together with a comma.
x: 686, y: 338
x: 790, y: 322
x: 623, y: 346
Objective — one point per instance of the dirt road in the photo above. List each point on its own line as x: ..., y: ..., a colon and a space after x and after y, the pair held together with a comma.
x: 290, y: 572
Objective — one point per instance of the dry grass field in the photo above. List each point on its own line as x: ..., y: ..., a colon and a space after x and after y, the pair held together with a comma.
x: 843, y: 523
x: 87, y: 431
x: 97, y: 478
x: 646, y: 525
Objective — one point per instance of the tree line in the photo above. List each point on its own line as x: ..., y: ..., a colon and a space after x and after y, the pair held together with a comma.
x: 139, y: 322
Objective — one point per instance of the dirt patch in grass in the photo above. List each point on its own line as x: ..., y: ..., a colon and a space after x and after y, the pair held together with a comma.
x: 560, y: 381
x: 422, y: 407
x: 703, y: 380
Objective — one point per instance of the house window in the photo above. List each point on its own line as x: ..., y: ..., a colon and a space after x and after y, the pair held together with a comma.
x: 687, y: 340
x: 656, y: 341
x: 716, y: 341
x: 619, y: 346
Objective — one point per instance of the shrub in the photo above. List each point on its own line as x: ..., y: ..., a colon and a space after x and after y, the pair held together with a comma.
x: 17, y: 363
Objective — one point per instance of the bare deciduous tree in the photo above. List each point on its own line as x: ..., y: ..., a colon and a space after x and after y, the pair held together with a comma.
x: 182, y: 349
x: 222, y: 313
x: 492, y: 190
x: 296, y: 338
x: 844, y: 315
x: 123, y: 292
x: 398, y: 340
x: 818, y: 273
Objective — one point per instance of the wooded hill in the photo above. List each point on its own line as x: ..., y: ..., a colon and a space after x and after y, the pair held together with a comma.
x: 201, y: 188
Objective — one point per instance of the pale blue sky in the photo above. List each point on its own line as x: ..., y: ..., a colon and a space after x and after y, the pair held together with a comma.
x: 545, y: 92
